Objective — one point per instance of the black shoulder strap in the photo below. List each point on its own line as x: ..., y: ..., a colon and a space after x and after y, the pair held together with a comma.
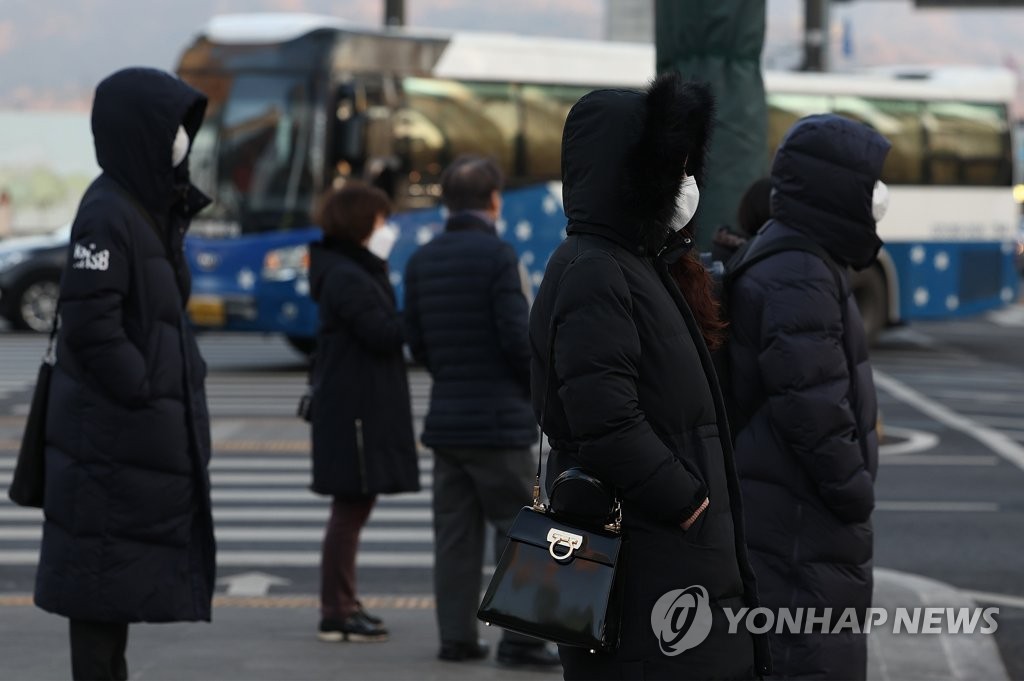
x: 756, y: 250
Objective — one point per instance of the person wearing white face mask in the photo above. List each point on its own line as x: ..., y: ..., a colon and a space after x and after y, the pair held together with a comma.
x: 623, y: 382
x: 180, y: 147
x: 806, y: 441
x: 360, y: 410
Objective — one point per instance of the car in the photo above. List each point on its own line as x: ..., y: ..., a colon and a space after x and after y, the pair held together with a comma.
x: 30, y: 269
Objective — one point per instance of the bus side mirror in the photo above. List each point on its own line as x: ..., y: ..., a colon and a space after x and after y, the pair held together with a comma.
x: 349, y: 129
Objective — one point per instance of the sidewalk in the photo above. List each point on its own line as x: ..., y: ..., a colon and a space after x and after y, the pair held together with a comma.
x: 273, y: 638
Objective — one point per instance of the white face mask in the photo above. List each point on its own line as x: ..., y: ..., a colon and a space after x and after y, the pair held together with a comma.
x: 686, y: 203
x: 179, y: 149
x: 879, y: 201
x: 382, y: 241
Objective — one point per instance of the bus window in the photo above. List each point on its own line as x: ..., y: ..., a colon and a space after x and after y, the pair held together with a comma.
x: 968, y: 144
x: 545, y: 108
x: 263, y: 166
x: 784, y: 110
x: 442, y: 119
x: 900, y: 122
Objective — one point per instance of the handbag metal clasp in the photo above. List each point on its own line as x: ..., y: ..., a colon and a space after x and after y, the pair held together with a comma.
x: 569, y: 540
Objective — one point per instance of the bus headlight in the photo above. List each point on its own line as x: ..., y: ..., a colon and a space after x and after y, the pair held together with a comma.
x: 286, y: 264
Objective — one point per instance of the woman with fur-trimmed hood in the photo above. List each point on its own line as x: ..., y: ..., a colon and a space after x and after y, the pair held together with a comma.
x: 634, y: 398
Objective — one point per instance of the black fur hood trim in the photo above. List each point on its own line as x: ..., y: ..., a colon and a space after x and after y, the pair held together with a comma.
x: 623, y: 154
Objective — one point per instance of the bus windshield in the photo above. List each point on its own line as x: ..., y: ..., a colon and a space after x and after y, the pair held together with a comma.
x: 252, y: 154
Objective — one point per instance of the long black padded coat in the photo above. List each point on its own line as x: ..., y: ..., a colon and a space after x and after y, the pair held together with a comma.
x: 466, y: 317
x: 634, y: 397
x: 128, y: 534
x: 808, y: 455
x: 363, y: 441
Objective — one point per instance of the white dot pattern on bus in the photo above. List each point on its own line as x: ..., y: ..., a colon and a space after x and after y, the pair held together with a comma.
x: 1007, y: 295
x: 917, y: 255
x: 921, y: 297
x: 952, y: 302
x: 942, y: 262
x: 550, y: 205
x: 524, y: 230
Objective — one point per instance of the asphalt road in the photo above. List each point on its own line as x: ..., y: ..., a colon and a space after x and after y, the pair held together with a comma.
x: 950, y: 489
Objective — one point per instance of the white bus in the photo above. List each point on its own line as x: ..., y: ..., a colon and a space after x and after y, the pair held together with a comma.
x: 298, y: 102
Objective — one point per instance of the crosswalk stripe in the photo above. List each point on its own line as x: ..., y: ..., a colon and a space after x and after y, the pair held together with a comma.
x: 381, y: 513
x: 282, y: 495
x: 311, y: 559
x: 268, y: 535
x: 279, y: 479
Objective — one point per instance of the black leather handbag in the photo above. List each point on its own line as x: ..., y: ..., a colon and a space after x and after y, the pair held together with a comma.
x: 29, y: 480
x: 556, y: 580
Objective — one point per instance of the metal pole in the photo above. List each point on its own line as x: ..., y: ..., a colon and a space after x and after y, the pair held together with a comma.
x: 815, y: 35
x: 394, y: 12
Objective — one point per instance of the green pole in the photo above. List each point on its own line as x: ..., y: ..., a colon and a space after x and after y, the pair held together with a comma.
x: 720, y: 42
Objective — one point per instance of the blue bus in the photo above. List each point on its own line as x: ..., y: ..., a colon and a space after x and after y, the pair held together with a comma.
x: 299, y: 103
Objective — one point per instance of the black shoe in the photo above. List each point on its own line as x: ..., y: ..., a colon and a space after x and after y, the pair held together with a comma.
x: 457, y: 651
x: 353, y: 628
x: 527, y: 655
x: 372, y: 619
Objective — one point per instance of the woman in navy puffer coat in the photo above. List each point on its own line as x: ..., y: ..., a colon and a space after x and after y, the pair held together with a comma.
x: 808, y: 454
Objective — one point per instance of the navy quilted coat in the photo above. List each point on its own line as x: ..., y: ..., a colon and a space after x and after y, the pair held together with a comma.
x: 808, y: 456
x: 466, y: 319
x: 128, y: 534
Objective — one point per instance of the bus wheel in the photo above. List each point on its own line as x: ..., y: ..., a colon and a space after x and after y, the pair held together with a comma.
x: 304, y: 345
x: 871, y: 293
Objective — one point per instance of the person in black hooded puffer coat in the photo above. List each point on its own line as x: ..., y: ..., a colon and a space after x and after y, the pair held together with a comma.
x: 808, y: 454
x: 634, y: 398
x: 128, y: 535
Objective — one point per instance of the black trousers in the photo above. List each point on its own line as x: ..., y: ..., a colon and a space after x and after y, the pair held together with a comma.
x: 97, y: 651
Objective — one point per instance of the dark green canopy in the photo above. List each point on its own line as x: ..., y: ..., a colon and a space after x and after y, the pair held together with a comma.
x: 720, y: 42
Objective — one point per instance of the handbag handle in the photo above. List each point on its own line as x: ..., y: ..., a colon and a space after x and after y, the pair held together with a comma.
x: 537, y: 504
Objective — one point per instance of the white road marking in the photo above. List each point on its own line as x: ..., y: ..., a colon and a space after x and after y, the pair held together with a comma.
x: 997, y: 599
x: 938, y: 506
x: 252, y: 583
x: 296, y: 495
x: 941, y: 460
x: 420, y: 514
x: 1010, y: 316
x: 268, y: 535
x: 998, y: 442
x: 916, y: 441
x: 404, y: 559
